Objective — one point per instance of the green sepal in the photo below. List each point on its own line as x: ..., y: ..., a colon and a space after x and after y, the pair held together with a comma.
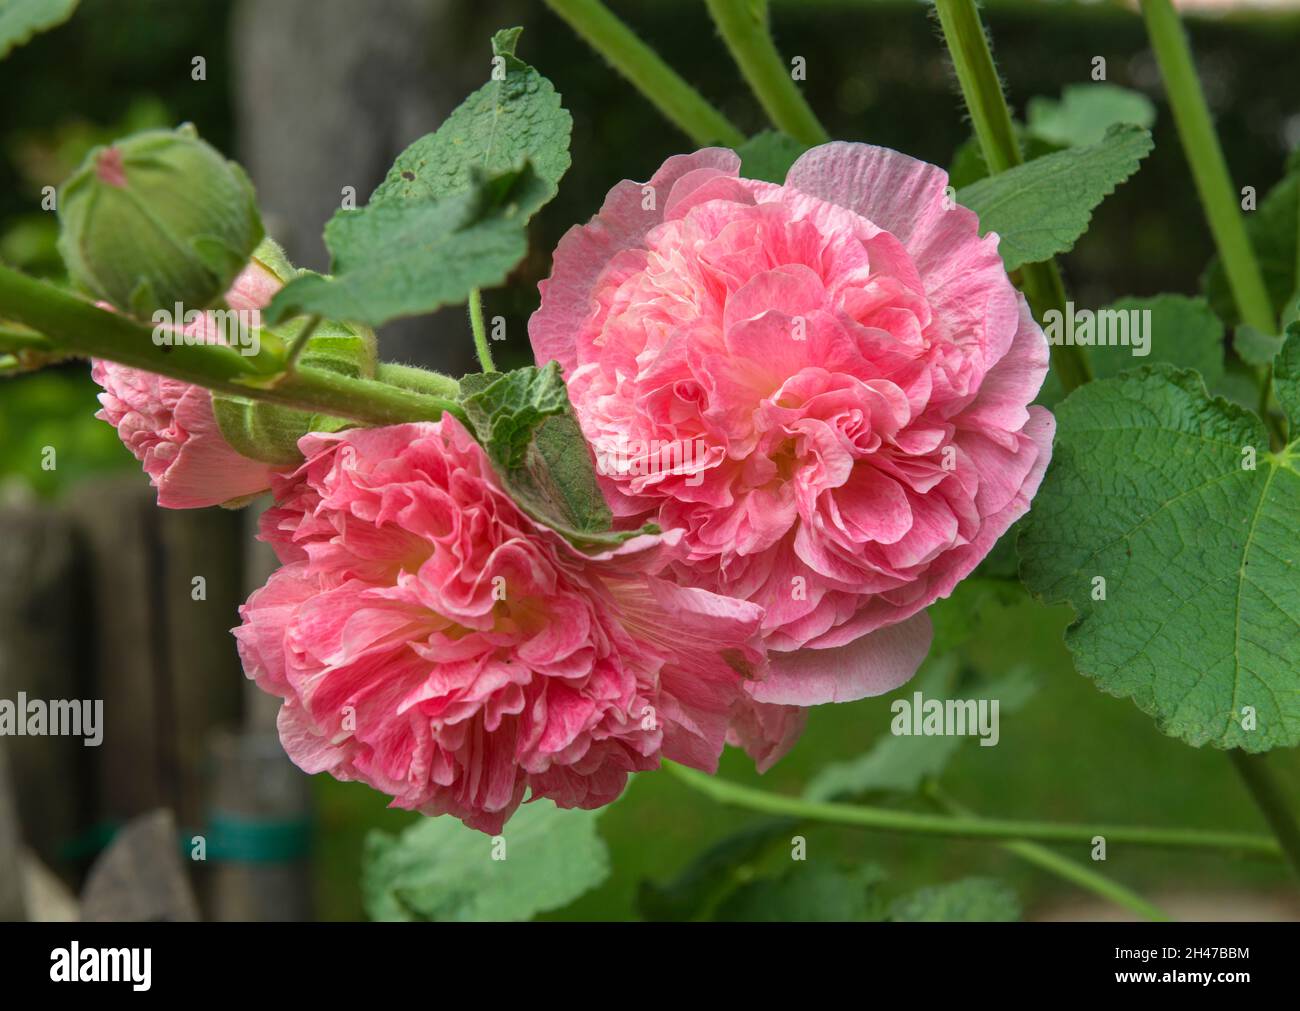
x: 269, y: 432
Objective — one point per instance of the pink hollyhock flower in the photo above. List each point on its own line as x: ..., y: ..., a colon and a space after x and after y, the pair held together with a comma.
x: 169, y: 425
x: 824, y: 385
x: 431, y: 640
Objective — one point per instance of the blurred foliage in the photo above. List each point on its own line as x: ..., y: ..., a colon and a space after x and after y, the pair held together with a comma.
x: 54, y: 408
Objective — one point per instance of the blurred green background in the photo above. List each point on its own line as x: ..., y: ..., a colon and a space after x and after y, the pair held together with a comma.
x: 876, y: 72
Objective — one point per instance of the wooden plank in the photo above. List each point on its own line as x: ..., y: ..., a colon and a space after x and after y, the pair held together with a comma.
x: 12, y: 905
x: 201, y: 683
x: 43, y: 655
x: 114, y: 520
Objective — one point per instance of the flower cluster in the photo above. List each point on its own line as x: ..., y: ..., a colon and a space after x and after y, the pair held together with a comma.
x: 838, y: 370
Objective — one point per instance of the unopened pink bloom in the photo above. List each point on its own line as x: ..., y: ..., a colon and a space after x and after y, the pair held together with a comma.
x: 430, y: 639
x: 169, y: 425
x: 844, y: 370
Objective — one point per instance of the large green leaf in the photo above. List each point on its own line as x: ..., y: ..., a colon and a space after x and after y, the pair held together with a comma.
x: 1274, y: 231
x: 1150, y: 489
x: 1184, y: 332
x: 1086, y: 111
x: 515, y: 117
x: 1042, y: 207
x: 970, y: 900
x: 21, y: 19
x: 401, y: 259
x: 438, y: 869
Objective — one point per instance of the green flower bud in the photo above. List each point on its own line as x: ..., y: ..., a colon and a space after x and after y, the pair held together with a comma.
x: 157, y: 219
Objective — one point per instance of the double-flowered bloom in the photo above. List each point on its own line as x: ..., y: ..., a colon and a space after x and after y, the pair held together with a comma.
x: 852, y: 369
x: 431, y: 639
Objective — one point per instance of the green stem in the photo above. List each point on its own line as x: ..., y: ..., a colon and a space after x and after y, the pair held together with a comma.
x: 13, y: 339
x: 74, y: 325
x: 1045, y: 290
x: 972, y: 60
x: 1209, y: 169
x: 1063, y: 867
x: 744, y: 27
x: 679, y: 103
x: 300, y: 343
x: 480, y: 334
x: 948, y: 826
x: 1271, y: 800
x: 408, y: 377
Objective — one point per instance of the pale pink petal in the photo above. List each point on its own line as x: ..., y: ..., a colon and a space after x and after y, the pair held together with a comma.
x: 871, y: 665
x: 582, y: 254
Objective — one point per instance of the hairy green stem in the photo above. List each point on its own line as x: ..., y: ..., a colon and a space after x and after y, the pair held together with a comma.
x: 952, y: 827
x: 972, y: 59
x: 300, y: 343
x: 1063, y: 867
x: 76, y: 326
x: 1269, y: 797
x: 1205, y: 158
x: 481, y: 347
x: 662, y: 86
x: 744, y: 27
x: 408, y: 377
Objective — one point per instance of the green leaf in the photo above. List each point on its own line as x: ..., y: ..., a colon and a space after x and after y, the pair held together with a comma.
x: 22, y: 19
x: 767, y: 156
x: 524, y: 421
x: 1086, y: 111
x: 1183, y: 332
x: 808, y: 893
x: 1149, y: 489
x: 1254, y: 347
x: 970, y: 900
x: 439, y: 869
x: 401, y: 259
x: 507, y: 408
x: 452, y: 212
x: 1274, y: 232
x: 712, y: 874
x: 506, y: 122
x: 968, y: 160
x: 1042, y: 207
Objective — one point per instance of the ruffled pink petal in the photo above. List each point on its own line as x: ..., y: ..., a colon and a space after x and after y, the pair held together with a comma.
x: 622, y: 222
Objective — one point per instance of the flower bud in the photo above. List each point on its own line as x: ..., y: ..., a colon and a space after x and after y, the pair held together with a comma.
x: 157, y: 219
